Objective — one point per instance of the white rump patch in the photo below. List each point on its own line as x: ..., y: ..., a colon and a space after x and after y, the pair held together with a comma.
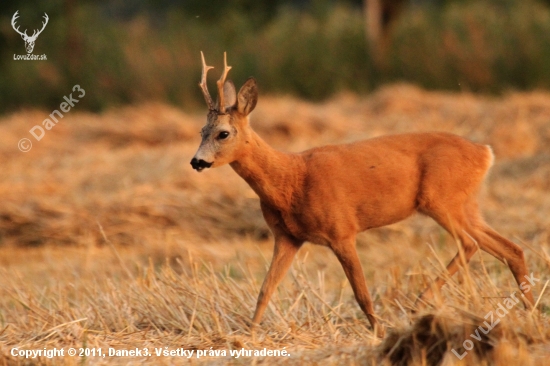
x: 491, y: 155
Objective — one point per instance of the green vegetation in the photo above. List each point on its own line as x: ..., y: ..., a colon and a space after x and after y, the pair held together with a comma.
x: 312, y: 51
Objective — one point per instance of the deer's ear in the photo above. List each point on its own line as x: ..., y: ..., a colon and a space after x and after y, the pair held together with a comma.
x: 248, y: 96
x: 230, y: 96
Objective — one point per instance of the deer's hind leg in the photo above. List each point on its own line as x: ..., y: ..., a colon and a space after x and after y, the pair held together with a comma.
x: 510, y: 254
x: 448, y: 194
x: 468, y: 226
x: 457, y: 222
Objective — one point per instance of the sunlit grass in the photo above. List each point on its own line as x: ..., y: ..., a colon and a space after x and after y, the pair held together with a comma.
x: 109, y: 239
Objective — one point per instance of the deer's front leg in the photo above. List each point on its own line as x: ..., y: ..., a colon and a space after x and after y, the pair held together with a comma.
x: 283, y: 254
x: 347, y: 255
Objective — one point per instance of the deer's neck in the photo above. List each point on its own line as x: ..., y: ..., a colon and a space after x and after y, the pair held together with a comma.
x: 272, y: 174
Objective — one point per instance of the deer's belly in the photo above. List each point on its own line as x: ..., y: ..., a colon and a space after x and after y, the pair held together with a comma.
x: 326, y: 223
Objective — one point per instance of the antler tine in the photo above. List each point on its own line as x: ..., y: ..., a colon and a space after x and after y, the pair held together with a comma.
x: 221, y: 82
x: 37, y: 32
x: 46, y: 18
x: 203, y: 85
x: 13, y: 20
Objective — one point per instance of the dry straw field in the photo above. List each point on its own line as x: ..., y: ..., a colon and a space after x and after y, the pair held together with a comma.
x: 108, y: 238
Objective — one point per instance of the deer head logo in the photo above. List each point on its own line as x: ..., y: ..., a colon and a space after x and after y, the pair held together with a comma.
x: 29, y: 40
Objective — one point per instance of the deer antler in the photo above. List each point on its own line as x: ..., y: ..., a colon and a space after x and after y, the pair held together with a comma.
x: 13, y: 19
x: 203, y: 85
x: 221, y: 82
x: 35, y: 34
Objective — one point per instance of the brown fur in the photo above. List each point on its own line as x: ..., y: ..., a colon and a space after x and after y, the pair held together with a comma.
x: 326, y: 195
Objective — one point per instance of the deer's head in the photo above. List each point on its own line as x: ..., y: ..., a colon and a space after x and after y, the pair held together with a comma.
x: 29, y: 40
x: 226, y: 131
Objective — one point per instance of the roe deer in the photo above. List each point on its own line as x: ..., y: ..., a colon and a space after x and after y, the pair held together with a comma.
x: 326, y: 195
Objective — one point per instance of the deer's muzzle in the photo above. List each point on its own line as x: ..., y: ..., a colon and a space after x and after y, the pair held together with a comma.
x: 199, y: 164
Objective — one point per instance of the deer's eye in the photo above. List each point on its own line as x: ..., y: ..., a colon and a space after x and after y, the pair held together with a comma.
x: 223, y: 135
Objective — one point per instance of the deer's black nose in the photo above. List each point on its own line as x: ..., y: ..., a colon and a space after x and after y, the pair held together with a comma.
x: 199, y: 164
